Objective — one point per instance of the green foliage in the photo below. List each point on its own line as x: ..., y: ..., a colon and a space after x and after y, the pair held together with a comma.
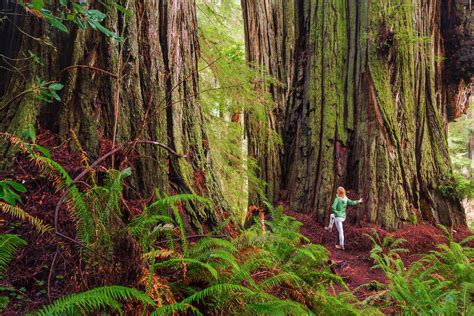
x: 457, y: 186
x: 95, y: 211
x: 238, y: 276
x: 7, y: 191
x: 460, y: 184
x: 75, y: 12
x: 440, y: 283
x: 101, y: 298
x: 8, y: 194
x: 227, y: 91
x: 46, y: 91
x: 8, y: 246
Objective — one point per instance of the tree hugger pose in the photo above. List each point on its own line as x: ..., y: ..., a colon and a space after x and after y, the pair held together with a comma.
x: 338, y: 215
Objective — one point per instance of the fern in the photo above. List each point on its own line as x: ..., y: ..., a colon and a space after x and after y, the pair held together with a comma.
x: 190, y: 261
x: 210, y: 243
x: 9, y: 244
x: 179, y: 220
x: 218, y: 290
x: 174, y: 309
x: 226, y: 257
x: 283, y: 277
x: 94, y: 300
x: 277, y: 307
x: 163, y: 204
x: 19, y: 213
x: 77, y: 206
x: 113, y: 186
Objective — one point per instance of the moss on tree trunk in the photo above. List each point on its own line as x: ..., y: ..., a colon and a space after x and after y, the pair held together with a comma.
x: 145, y: 88
x: 363, y: 107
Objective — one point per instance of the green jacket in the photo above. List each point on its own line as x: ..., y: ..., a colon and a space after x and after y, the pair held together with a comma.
x: 339, y: 206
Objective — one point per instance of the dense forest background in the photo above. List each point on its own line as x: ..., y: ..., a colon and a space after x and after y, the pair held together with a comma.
x: 182, y: 156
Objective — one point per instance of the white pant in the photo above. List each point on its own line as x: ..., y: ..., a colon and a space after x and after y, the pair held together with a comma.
x: 338, y: 220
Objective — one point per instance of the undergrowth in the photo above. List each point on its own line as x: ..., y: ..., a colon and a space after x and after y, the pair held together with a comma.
x: 439, y: 283
x: 270, y: 268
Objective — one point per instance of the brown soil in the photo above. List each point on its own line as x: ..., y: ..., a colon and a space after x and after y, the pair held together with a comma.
x: 354, y: 264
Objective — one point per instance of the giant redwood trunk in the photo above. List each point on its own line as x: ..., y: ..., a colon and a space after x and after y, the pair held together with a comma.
x: 267, y: 43
x: 363, y: 102
x: 145, y: 88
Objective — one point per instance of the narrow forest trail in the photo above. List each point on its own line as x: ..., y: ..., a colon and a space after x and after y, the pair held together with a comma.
x: 354, y: 264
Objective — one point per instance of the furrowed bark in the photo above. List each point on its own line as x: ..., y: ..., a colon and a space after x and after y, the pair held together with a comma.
x: 143, y: 89
x: 365, y: 108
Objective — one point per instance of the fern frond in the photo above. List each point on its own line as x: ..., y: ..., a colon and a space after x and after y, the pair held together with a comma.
x: 209, y: 243
x: 84, y: 157
x: 94, y: 300
x: 182, y: 261
x: 277, y: 307
x: 19, y: 213
x: 163, y: 204
x: 466, y: 240
x: 280, y: 278
x: 179, y: 221
x: 77, y: 206
x: 174, y: 309
x: 216, y: 291
x: 113, y: 185
x: 160, y: 254
x: 226, y: 257
x: 246, y: 239
x: 9, y: 243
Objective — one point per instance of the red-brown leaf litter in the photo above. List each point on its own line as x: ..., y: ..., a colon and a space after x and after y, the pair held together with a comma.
x: 354, y: 264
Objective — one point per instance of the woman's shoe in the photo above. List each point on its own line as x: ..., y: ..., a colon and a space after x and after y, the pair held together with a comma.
x: 339, y: 247
x: 328, y: 229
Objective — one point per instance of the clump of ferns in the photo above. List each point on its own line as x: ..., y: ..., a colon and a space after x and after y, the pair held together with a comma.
x: 439, y: 283
x: 253, y: 273
x: 9, y: 244
x: 96, y: 212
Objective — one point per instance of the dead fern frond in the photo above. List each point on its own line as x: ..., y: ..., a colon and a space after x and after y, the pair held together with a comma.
x: 19, y: 213
x: 84, y: 157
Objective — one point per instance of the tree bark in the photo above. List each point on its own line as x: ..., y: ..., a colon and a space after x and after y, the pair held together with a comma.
x: 268, y: 42
x: 363, y: 106
x: 144, y: 88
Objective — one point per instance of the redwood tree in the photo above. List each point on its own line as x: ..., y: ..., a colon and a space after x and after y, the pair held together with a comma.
x: 363, y: 104
x: 144, y: 88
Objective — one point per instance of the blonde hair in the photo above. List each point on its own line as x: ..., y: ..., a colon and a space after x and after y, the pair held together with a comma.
x: 341, y: 192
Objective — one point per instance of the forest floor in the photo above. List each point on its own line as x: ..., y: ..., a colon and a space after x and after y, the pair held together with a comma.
x: 48, y: 267
x: 354, y: 264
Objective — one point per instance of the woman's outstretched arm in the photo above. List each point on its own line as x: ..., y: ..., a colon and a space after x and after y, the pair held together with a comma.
x: 352, y: 203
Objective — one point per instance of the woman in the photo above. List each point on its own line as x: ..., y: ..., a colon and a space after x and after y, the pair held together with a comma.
x: 338, y: 215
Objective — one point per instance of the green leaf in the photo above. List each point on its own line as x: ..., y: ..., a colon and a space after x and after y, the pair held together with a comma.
x: 55, y: 86
x: 54, y: 21
x: 55, y: 95
x: 29, y: 134
x: 15, y: 185
x: 121, y: 8
x: 127, y: 172
x: 38, y: 5
x: 9, y: 198
x: 42, y: 150
x: 96, y: 15
x: 63, y: 2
